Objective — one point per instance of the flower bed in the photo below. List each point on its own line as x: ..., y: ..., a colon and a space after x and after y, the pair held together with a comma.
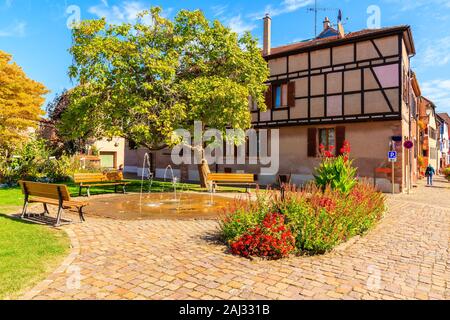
x: 317, y: 220
x: 312, y: 220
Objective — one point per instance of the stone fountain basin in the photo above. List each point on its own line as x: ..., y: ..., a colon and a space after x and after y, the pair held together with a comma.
x: 160, y: 206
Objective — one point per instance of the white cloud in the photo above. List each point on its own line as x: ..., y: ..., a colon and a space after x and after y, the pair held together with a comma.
x: 219, y: 10
x: 17, y: 29
x: 286, y: 6
x: 438, y: 91
x: 436, y: 53
x: 127, y: 11
x: 238, y: 25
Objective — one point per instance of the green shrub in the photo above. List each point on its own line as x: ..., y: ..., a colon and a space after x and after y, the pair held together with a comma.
x: 34, y: 162
x: 336, y: 172
x: 447, y: 173
x: 319, y: 220
x: 243, y: 216
x: 319, y: 217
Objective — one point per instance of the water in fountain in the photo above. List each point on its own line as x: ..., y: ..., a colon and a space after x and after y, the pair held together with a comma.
x: 146, y: 174
x: 174, y: 181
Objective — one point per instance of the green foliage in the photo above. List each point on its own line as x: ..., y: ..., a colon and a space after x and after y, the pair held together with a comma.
x: 321, y: 220
x: 447, y: 173
x: 34, y: 162
x: 245, y: 215
x: 318, y: 219
x: 144, y: 81
x: 336, y: 172
x: 95, y: 151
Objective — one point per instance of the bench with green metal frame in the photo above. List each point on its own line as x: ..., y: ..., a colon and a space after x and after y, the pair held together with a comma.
x: 231, y: 179
x: 89, y: 180
x: 50, y: 194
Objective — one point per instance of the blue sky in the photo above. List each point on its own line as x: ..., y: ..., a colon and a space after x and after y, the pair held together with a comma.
x: 35, y: 32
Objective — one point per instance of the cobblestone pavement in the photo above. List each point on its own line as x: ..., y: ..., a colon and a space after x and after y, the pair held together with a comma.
x: 405, y: 257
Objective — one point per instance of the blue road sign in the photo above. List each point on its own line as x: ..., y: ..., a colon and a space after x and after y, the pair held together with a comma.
x: 392, y: 156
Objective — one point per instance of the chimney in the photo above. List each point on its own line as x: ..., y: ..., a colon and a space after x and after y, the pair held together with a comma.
x: 341, y: 30
x: 267, y: 45
x: 326, y: 24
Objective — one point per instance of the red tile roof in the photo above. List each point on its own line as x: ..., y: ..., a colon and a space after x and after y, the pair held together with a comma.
x: 337, y: 39
x: 445, y: 117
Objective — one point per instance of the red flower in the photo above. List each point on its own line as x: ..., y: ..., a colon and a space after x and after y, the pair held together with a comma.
x: 346, y: 149
x: 271, y: 240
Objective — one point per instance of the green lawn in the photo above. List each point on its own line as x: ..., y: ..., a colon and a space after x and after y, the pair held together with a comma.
x: 28, y: 253
x: 10, y: 198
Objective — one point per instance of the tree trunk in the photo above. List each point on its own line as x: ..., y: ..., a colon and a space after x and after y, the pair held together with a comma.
x: 204, y: 171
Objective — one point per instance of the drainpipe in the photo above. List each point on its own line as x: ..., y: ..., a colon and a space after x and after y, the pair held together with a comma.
x: 410, y: 126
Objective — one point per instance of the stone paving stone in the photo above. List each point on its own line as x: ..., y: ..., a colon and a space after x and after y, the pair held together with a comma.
x: 404, y: 257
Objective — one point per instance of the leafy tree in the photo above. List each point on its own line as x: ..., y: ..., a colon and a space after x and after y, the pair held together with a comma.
x: 20, y: 104
x: 61, y: 144
x: 143, y: 81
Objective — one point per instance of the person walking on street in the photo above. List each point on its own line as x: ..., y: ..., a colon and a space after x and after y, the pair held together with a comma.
x: 430, y: 174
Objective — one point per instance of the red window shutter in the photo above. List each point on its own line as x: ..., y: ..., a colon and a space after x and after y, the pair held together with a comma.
x: 269, y: 98
x: 312, y: 142
x: 291, y: 94
x: 340, y: 139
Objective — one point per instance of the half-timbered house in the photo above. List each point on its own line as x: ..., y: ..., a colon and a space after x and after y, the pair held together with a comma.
x: 353, y: 87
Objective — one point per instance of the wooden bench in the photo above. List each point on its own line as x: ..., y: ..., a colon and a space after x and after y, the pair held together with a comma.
x: 231, y: 179
x: 89, y: 180
x: 50, y: 194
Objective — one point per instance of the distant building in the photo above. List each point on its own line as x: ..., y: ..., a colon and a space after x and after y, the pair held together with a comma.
x: 444, y: 140
x: 430, y: 133
x: 102, y: 154
x: 111, y: 152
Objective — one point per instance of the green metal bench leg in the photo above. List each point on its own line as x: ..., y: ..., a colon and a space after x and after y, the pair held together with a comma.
x: 58, y: 218
x: 46, y: 212
x: 80, y: 212
x: 25, y: 208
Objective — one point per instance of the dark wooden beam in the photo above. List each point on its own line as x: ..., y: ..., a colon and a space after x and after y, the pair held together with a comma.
x: 309, y: 84
x: 319, y: 71
x: 382, y: 89
x: 376, y: 48
x: 330, y: 120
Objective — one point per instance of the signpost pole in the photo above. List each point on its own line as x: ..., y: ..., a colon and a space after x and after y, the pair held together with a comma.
x: 393, y: 177
x: 393, y: 159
